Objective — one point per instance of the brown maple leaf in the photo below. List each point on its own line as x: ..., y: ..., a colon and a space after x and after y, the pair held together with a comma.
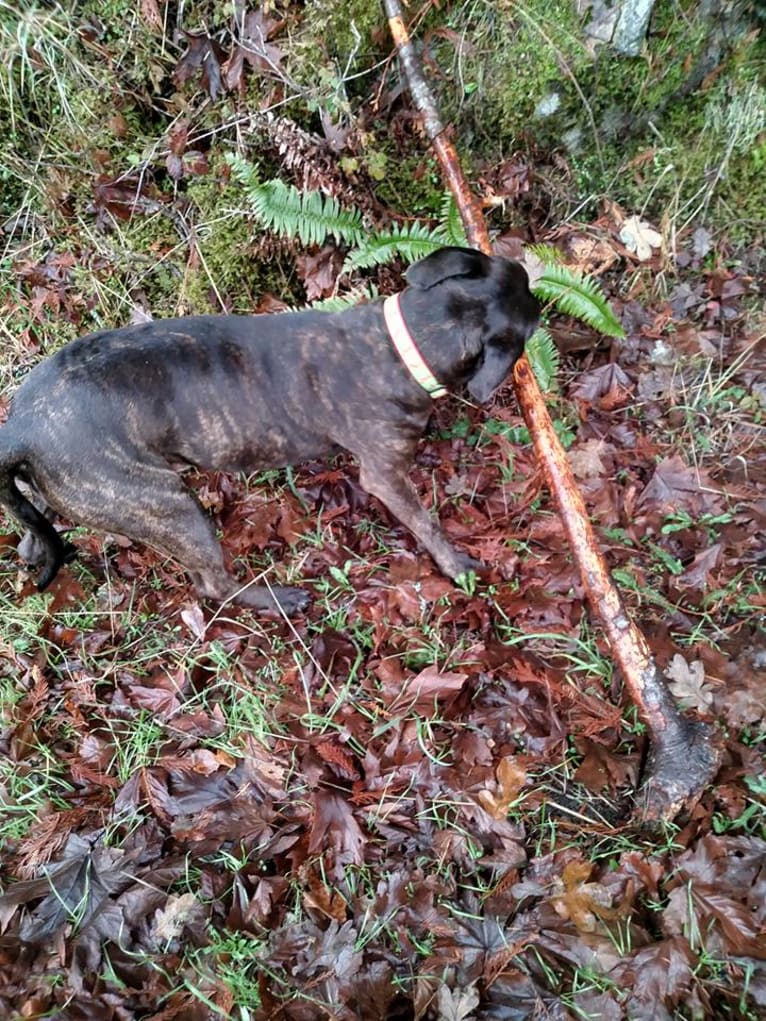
x: 319, y: 272
x: 335, y: 829
x: 511, y: 777
x: 457, y: 1004
x: 253, y: 47
x: 687, y: 682
x: 586, y: 459
x: 697, y: 574
x: 583, y: 903
x: 205, y: 55
x: 674, y: 486
x: 422, y: 689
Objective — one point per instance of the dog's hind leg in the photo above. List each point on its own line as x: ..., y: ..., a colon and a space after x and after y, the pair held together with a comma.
x: 199, y: 552
x: 187, y: 534
x: 154, y: 507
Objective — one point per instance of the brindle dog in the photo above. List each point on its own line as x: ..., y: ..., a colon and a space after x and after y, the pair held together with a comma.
x: 97, y: 430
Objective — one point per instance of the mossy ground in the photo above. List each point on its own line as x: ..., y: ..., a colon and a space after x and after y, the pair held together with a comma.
x: 88, y: 94
x: 679, y: 129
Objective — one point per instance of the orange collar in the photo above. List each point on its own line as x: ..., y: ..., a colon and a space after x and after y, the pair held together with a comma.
x: 407, y: 349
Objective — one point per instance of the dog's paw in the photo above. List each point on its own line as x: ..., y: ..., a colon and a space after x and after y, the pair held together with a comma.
x: 290, y: 600
x: 281, y: 599
x: 31, y: 550
x: 463, y: 563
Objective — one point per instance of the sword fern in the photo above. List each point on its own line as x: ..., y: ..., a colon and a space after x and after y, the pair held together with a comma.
x: 308, y: 215
x: 544, y: 358
x: 312, y: 217
x: 579, y: 296
x: 411, y: 241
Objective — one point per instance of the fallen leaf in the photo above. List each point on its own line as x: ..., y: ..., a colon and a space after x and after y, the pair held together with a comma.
x: 319, y: 271
x: 334, y: 828
x: 252, y: 47
x: 581, y: 902
x: 606, y: 379
x: 687, y: 682
x: 75, y: 890
x: 421, y: 690
x: 168, y: 923
x: 658, y: 973
x: 511, y: 777
x: 590, y: 255
x: 203, y: 54
x: 730, y: 926
x: 534, y: 266
x: 194, y: 619
x: 456, y: 1004
x: 586, y: 458
x: 674, y: 486
x: 639, y: 237
x: 702, y: 242
x: 697, y: 574
x: 321, y: 897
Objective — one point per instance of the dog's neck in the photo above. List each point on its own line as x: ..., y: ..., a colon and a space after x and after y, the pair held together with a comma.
x: 450, y: 343
x: 407, y: 349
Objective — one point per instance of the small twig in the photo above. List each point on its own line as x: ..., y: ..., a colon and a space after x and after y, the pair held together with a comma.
x: 683, y: 756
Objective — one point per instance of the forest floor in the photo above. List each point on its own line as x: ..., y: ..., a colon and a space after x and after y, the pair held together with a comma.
x: 415, y: 800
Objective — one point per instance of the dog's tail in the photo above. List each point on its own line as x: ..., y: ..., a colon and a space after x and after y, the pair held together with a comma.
x: 53, y: 550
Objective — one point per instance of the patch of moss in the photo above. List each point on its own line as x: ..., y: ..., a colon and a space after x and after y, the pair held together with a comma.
x: 12, y: 189
x: 648, y: 131
x: 741, y: 197
x: 69, y: 77
x: 146, y: 260
x: 501, y: 61
x: 412, y: 184
x: 332, y: 56
x: 337, y: 35
x: 227, y: 268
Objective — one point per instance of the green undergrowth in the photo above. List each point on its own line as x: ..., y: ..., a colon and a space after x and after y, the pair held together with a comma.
x: 676, y: 131
x: 88, y: 95
x: 228, y: 274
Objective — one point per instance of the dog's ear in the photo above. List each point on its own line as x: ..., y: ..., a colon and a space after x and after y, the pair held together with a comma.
x: 446, y: 263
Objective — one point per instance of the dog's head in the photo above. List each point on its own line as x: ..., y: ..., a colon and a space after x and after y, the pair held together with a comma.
x: 490, y: 302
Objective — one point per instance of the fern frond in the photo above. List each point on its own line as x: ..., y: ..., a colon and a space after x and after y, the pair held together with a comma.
x: 308, y: 215
x: 411, y: 241
x: 547, y: 254
x: 339, y: 302
x: 451, y: 228
x: 544, y: 358
x: 579, y: 296
x: 242, y: 170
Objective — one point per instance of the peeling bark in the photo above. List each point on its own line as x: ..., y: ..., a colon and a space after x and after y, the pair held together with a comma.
x: 683, y: 755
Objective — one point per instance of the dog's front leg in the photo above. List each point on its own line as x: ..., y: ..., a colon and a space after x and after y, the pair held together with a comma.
x: 389, y: 482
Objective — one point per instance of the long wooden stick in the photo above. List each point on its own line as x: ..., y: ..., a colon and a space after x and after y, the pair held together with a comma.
x: 683, y: 757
